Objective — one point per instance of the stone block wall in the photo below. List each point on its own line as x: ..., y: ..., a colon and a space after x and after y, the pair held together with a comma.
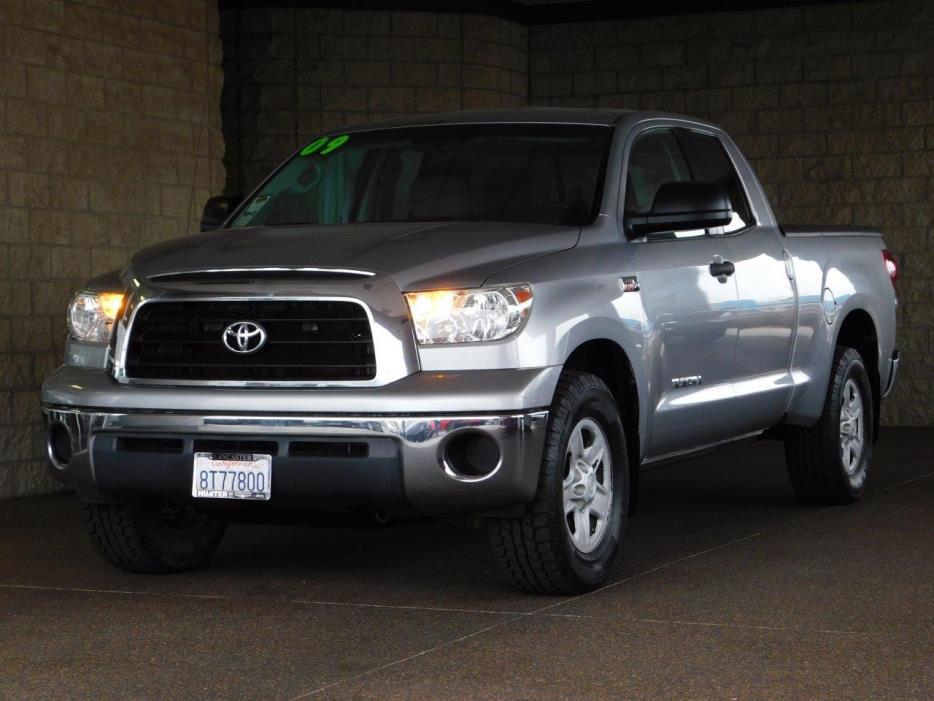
x: 110, y: 139
x: 291, y: 73
x: 111, y: 135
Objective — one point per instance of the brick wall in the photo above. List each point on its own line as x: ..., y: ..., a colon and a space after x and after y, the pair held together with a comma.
x: 833, y: 104
x: 291, y: 73
x: 109, y: 140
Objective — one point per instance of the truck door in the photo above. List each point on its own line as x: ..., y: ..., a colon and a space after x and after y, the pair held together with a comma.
x: 691, y: 314
x: 767, y: 307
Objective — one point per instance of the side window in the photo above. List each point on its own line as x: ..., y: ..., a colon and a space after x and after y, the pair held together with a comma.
x: 655, y: 159
x: 709, y: 163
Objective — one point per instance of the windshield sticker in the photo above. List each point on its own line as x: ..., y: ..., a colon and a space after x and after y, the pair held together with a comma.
x: 324, y: 145
x: 255, y: 206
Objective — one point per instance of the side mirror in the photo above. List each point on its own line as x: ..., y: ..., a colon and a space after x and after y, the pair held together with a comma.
x: 217, y: 209
x: 682, y: 207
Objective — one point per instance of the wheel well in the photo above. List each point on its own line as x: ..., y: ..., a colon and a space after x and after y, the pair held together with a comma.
x: 609, y: 362
x: 857, y: 331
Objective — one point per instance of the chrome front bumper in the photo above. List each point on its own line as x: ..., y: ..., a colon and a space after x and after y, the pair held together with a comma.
x: 428, y: 483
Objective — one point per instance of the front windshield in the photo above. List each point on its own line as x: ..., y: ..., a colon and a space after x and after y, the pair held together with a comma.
x: 548, y: 174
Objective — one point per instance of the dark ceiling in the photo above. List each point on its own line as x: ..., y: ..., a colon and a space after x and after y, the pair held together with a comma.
x: 538, y: 11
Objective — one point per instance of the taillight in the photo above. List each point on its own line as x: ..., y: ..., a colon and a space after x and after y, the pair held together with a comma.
x: 891, y: 267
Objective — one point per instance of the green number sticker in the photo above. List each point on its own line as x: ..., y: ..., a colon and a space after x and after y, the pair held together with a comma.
x: 324, y: 145
x: 313, y: 146
x: 335, y: 144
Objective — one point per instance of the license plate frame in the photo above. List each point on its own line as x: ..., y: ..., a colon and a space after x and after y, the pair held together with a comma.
x: 248, y: 476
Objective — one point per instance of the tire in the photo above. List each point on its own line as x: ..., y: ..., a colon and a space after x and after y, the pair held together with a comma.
x: 822, y: 470
x: 153, y: 539
x: 541, y: 549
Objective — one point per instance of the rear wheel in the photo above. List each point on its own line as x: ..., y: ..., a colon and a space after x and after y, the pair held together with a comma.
x: 154, y: 538
x: 567, y: 539
x: 829, y: 462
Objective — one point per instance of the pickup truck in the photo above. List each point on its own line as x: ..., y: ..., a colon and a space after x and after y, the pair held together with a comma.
x: 491, y: 316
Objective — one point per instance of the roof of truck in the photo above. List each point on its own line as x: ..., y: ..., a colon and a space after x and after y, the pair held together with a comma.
x: 519, y: 115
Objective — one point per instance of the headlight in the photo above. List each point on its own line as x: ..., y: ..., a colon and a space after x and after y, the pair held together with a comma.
x: 469, y: 316
x: 91, y: 315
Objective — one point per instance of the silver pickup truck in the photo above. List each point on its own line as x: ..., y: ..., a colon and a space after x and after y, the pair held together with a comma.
x: 504, y: 315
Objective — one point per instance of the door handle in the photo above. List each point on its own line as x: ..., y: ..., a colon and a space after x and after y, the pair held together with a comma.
x: 721, y: 269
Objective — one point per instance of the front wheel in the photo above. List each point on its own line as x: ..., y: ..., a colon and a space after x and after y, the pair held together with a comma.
x: 567, y: 539
x: 153, y: 538
x: 829, y: 462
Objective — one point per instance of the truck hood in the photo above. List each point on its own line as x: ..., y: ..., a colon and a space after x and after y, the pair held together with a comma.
x: 423, y: 255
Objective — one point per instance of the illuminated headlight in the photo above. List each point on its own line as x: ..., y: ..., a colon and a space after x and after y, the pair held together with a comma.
x: 91, y: 315
x: 469, y: 316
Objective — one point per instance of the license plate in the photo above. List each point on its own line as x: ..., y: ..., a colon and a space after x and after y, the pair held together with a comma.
x: 231, y: 476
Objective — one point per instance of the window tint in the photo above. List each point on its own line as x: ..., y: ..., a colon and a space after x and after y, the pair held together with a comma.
x: 662, y: 156
x: 655, y: 159
x: 549, y: 174
x: 710, y: 164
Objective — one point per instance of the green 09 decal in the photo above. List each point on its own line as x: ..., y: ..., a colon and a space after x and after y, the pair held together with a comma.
x: 324, y: 145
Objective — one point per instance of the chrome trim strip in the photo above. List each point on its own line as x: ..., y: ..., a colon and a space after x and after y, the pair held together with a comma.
x: 412, y: 430
x: 273, y: 269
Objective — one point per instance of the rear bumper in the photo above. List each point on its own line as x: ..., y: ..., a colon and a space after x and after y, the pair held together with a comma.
x: 399, y: 462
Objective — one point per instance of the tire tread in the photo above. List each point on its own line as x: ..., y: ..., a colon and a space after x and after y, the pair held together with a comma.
x: 113, y: 529
x: 812, y: 454
x: 119, y: 532
x: 529, y: 547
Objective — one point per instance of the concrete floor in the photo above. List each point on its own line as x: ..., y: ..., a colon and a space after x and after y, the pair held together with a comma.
x: 727, y: 588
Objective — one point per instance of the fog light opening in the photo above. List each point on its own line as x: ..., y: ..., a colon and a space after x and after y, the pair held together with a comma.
x: 58, y: 445
x: 471, y: 456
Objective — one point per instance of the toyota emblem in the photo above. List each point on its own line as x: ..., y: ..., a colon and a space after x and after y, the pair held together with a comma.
x: 244, y: 337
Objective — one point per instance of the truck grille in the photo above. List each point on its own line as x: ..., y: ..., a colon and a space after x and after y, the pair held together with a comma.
x: 306, y: 340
